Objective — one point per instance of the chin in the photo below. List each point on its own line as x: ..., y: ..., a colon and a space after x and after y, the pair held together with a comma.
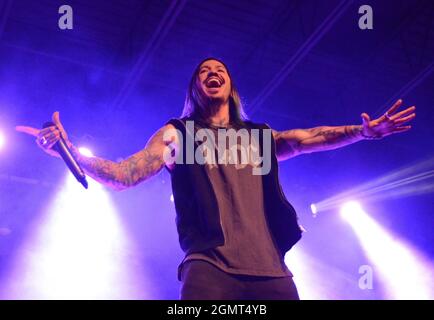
x: 215, y: 96
x: 217, y: 99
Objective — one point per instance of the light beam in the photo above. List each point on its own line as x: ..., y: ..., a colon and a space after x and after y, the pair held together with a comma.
x: 403, y: 270
x: 79, y: 250
x: 412, y: 180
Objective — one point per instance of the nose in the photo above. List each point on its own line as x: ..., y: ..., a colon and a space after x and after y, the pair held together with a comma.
x: 212, y: 73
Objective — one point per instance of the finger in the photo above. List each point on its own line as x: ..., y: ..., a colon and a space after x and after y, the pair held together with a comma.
x: 365, y: 119
x: 403, y: 113
x: 29, y: 130
x: 56, y: 120
x: 48, y: 140
x: 48, y: 130
x: 54, y: 137
x: 402, y: 129
x: 40, y: 144
x: 51, y: 139
x: 394, y: 107
x: 47, y: 149
x: 405, y: 119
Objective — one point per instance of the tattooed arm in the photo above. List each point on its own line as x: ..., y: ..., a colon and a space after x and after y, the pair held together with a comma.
x: 118, y: 175
x: 291, y: 143
x: 131, y: 171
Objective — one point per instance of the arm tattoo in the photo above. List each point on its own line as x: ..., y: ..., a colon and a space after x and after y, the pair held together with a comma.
x: 292, y: 142
x: 127, y: 173
x: 332, y: 136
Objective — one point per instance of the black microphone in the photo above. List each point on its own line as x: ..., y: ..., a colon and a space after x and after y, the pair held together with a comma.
x: 62, y: 148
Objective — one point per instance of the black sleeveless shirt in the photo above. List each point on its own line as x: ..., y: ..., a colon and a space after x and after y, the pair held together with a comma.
x: 240, y: 222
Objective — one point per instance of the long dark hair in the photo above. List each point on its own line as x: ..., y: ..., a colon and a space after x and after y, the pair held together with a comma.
x: 196, y: 102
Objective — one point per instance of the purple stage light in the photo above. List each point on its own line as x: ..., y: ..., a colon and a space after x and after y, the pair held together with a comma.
x: 401, y: 269
x: 2, y: 140
x: 79, y: 249
x: 314, y: 209
x: 350, y: 210
x: 85, y: 152
x: 309, y: 269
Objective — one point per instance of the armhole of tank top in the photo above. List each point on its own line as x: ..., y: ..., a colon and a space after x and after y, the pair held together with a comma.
x: 179, y: 125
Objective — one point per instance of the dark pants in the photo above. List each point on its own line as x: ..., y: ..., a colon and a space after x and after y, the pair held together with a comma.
x: 203, y: 281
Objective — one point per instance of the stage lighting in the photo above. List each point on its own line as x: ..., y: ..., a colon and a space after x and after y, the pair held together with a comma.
x: 79, y: 249
x: 2, y: 140
x: 314, y: 209
x: 404, y: 271
x: 171, y: 198
x: 309, y: 270
x: 85, y: 152
x: 412, y: 180
x: 350, y: 210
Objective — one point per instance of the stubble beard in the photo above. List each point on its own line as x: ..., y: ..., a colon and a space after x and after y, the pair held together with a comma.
x: 213, y: 105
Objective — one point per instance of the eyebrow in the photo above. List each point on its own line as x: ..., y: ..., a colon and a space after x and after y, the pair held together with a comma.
x: 208, y: 67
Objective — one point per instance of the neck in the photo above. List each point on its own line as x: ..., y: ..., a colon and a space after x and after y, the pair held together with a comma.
x: 220, y: 116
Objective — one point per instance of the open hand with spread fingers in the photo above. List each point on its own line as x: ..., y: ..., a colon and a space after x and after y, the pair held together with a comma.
x: 389, y: 123
x: 46, y: 138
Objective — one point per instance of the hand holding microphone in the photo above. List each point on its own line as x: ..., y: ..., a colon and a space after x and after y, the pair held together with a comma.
x: 53, y: 139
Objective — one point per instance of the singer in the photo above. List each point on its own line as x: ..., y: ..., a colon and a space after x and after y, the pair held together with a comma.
x: 234, y: 225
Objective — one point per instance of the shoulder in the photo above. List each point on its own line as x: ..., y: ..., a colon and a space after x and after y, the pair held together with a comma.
x: 178, y: 123
x: 257, y: 125
x: 163, y: 136
x: 165, y: 129
x: 261, y: 126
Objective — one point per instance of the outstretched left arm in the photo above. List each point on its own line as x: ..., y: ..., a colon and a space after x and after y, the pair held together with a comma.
x: 291, y: 143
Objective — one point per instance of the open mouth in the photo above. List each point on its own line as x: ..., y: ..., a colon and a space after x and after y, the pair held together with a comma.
x: 214, y: 82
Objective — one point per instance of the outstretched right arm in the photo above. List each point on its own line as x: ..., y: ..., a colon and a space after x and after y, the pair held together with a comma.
x: 131, y: 171
x: 118, y: 175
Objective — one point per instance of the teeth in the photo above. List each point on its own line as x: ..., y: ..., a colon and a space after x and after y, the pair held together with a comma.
x: 214, y: 80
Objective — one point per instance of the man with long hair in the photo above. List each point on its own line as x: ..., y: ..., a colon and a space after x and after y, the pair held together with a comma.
x: 234, y: 224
